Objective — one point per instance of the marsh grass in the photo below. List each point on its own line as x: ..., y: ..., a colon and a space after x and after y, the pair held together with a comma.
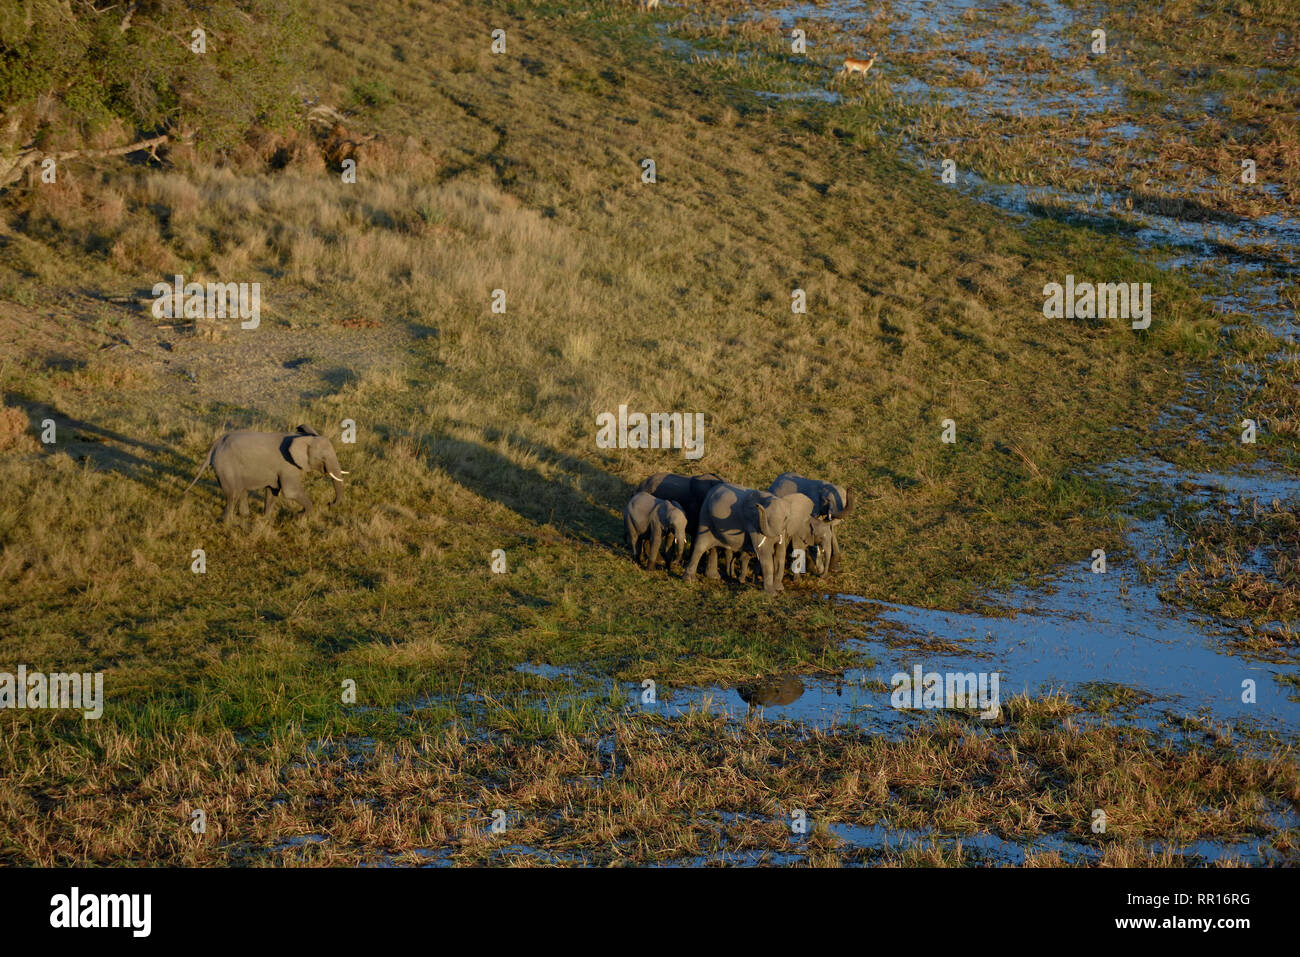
x: 633, y: 789
x: 1241, y: 563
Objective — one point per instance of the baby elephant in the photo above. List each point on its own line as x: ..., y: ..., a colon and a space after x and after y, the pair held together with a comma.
x: 248, y: 461
x: 656, y: 517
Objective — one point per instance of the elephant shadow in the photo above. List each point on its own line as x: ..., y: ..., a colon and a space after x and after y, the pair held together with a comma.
x: 880, y: 474
x: 152, y: 464
x: 582, y: 500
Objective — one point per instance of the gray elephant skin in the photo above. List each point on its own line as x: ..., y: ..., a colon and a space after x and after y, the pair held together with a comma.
x: 831, y: 502
x: 802, y: 530
x: 733, y: 517
x: 276, y: 461
x: 688, y: 491
x: 661, y: 521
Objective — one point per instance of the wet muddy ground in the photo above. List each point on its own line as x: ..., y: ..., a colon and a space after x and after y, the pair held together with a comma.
x: 1008, y: 66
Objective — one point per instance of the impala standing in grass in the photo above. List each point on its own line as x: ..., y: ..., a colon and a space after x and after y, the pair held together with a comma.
x: 857, y: 66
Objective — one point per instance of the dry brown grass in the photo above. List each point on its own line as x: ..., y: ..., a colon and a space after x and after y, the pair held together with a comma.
x: 15, y: 432
x: 641, y: 791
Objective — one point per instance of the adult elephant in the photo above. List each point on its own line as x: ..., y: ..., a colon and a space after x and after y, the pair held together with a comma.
x: 275, y: 461
x: 688, y: 491
x: 801, y: 530
x: 732, y: 517
x: 831, y: 502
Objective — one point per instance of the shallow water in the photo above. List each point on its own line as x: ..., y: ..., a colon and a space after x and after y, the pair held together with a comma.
x: 825, y: 702
x: 1234, y: 248
x: 1098, y: 637
x: 987, y: 848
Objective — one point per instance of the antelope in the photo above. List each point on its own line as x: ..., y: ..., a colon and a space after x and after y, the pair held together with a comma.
x: 649, y: 4
x: 857, y: 66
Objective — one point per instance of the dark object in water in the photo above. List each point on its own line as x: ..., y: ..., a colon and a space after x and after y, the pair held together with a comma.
x: 770, y: 691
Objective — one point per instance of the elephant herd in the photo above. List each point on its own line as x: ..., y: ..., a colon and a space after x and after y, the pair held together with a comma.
x: 794, y: 513
x: 795, y: 518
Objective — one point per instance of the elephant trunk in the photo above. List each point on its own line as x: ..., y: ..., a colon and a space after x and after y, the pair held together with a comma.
x: 849, y: 501
x: 332, y: 468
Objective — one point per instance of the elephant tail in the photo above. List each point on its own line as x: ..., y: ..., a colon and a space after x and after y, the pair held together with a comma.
x: 206, y: 463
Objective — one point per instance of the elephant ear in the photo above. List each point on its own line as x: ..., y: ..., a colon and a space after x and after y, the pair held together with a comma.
x: 300, y: 451
x: 826, y: 508
x: 307, y: 430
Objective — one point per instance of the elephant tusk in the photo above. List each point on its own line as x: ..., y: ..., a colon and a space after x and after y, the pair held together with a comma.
x: 335, y: 477
x: 344, y: 472
x: 761, y: 540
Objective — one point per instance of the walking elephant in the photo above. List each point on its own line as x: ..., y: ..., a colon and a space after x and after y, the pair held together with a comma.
x: 275, y: 461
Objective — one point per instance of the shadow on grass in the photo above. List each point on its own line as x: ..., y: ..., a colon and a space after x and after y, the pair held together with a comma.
x: 145, y: 462
x: 583, y: 501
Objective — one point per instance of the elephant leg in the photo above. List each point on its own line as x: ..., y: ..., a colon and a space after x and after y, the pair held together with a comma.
x: 778, y: 563
x: 835, y: 553
x: 656, y: 543
x: 291, y: 488
x: 229, y: 512
x: 243, y: 502
x: 711, y: 567
x: 631, y: 537
x: 742, y: 566
x: 643, y: 549
x: 703, y: 543
x: 270, y: 502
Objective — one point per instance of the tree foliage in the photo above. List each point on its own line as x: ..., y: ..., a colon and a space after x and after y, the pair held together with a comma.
x: 72, y: 71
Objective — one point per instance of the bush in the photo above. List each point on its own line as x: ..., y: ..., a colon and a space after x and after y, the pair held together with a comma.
x: 68, y: 72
